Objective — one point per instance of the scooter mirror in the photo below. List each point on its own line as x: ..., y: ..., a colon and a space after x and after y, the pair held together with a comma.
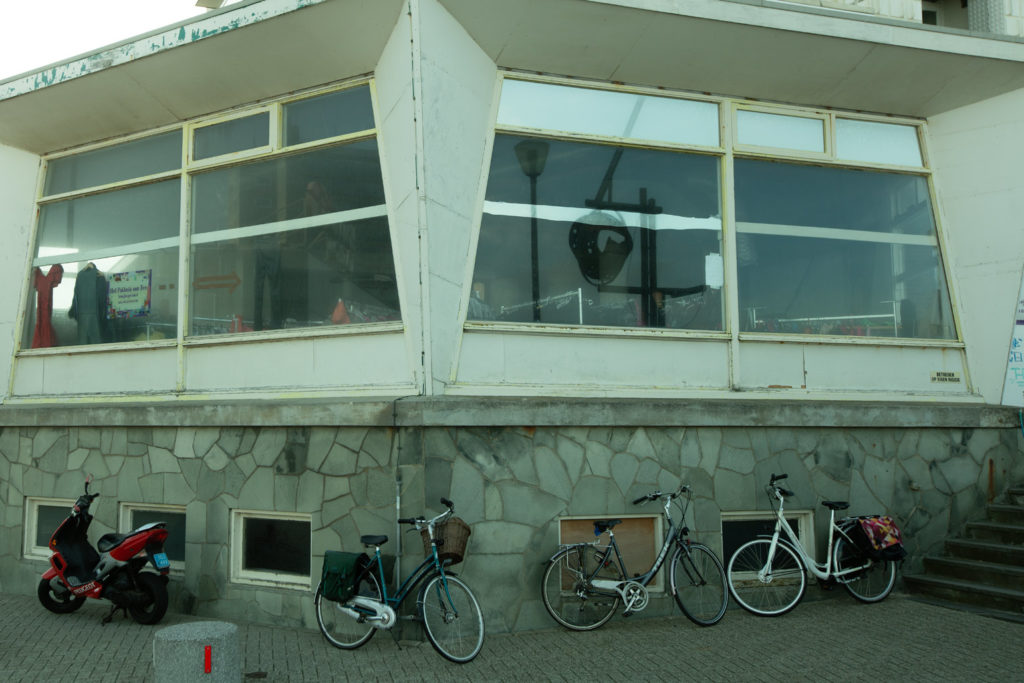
x: 88, y: 480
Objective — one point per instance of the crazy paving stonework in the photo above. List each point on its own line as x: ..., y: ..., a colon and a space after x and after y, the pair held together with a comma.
x: 510, y: 484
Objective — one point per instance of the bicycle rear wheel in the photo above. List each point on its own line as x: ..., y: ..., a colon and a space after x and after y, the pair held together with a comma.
x: 698, y: 582
x: 340, y: 628
x: 452, y: 618
x: 567, y: 592
x: 872, y: 584
x: 767, y: 591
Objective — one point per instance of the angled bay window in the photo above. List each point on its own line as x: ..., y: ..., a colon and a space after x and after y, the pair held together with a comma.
x: 106, y: 261
x: 838, y: 251
x: 600, y: 232
x: 286, y: 228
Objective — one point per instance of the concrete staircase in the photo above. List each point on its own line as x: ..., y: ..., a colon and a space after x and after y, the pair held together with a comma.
x: 982, y: 571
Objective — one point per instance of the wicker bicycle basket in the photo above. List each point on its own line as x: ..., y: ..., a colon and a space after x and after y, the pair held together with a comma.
x: 453, y: 535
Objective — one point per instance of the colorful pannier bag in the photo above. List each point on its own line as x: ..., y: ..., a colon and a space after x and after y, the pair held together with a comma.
x: 884, y: 538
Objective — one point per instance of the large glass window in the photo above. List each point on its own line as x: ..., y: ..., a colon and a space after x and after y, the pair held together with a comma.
x: 839, y: 252
x: 594, y: 234
x: 605, y: 208
x: 286, y: 240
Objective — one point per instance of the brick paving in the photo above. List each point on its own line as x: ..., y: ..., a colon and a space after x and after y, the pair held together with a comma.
x: 829, y: 640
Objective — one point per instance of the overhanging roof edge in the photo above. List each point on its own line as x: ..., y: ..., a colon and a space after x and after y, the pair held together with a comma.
x: 157, y: 41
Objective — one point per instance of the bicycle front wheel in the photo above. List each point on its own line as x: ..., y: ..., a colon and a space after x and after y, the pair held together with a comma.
x: 567, y: 591
x: 767, y: 590
x: 339, y: 627
x: 874, y: 582
x: 698, y: 582
x: 452, y: 618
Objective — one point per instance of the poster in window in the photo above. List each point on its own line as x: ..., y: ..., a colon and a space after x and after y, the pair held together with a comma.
x: 130, y: 294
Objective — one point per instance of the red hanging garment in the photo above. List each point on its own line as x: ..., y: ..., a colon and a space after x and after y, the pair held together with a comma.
x: 43, y: 336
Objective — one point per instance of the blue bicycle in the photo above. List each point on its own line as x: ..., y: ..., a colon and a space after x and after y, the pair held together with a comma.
x: 446, y: 606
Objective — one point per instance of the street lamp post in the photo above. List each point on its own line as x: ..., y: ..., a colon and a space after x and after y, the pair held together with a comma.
x: 533, y: 155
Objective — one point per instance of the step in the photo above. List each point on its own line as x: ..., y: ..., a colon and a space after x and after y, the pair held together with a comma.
x: 1015, y: 617
x: 1006, y: 512
x: 990, y: 573
x: 986, y: 551
x: 967, y: 592
x: 997, y: 532
x: 1015, y: 495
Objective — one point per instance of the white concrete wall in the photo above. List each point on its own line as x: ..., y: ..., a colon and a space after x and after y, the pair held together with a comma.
x: 976, y: 152
x: 19, y: 172
x: 458, y: 98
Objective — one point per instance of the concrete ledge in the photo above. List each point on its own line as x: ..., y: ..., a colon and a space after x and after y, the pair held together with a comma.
x: 465, y: 411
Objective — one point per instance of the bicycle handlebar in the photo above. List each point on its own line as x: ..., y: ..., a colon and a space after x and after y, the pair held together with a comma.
x: 655, y: 495
x: 421, y: 521
x: 782, y: 491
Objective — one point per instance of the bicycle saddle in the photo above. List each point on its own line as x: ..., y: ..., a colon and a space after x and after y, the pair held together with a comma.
x: 835, y: 504
x: 373, y: 540
x: 604, y: 525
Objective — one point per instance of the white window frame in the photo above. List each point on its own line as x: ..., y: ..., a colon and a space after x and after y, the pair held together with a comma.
x: 124, y: 522
x: 804, y: 518
x: 657, y: 584
x: 30, y: 550
x: 256, y: 577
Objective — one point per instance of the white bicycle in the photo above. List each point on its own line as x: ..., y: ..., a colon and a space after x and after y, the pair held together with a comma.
x: 768, y: 575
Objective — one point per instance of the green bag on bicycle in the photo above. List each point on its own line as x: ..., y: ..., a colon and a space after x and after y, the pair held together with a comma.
x: 341, y: 574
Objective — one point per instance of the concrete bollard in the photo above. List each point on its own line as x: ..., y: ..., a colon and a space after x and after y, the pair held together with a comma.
x: 198, y: 652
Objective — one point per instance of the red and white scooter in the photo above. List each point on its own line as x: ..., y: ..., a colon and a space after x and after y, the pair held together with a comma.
x: 114, y: 573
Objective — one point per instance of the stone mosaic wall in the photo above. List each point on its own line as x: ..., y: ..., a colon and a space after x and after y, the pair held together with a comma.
x: 510, y: 484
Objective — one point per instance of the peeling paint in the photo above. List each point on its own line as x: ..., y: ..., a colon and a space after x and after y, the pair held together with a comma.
x: 191, y: 32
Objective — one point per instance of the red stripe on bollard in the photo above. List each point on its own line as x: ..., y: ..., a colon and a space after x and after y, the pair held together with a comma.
x: 207, y: 660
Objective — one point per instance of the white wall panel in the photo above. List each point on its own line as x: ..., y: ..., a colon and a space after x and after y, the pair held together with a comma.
x: 313, y: 364
x: 564, y: 363
x: 144, y: 371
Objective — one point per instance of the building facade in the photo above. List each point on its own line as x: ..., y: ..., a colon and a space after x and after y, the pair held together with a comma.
x: 290, y: 271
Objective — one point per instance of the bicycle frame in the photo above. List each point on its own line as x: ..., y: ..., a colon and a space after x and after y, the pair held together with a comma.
x: 823, y: 571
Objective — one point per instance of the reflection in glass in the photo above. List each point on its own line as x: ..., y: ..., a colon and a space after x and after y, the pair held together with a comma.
x: 312, y: 183
x: 94, y: 225
x: 780, y: 131
x: 602, y: 112
x: 326, y: 275
x: 338, y: 113
x: 885, y: 143
x: 838, y: 252
x: 248, y: 132
x: 134, y: 159
x: 48, y: 518
x: 276, y: 545
x: 132, y: 297
x: 625, y: 237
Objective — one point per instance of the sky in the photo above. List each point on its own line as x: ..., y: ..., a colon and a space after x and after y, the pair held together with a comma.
x: 41, y: 32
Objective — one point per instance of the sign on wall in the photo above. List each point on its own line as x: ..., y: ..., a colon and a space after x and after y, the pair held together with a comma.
x: 1013, y: 387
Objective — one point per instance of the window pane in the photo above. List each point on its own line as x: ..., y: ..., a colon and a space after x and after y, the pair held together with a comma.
x: 838, y: 252
x: 132, y: 297
x: 174, y: 546
x: 48, y: 518
x: 783, y: 132
x: 303, y: 185
x: 134, y: 159
x: 615, y: 114
x: 93, y: 225
x: 339, y: 113
x: 624, y: 237
x: 326, y: 275
x: 232, y: 136
x: 886, y: 143
x: 276, y: 545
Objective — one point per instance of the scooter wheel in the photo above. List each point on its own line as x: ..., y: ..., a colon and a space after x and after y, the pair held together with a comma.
x: 156, y: 599
x: 62, y: 603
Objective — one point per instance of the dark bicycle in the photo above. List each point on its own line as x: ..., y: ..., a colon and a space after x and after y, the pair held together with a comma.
x: 584, y: 582
x: 447, y: 607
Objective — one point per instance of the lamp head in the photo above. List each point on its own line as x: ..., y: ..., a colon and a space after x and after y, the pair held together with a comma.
x: 532, y: 155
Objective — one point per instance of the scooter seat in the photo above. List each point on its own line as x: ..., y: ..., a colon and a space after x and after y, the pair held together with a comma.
x: 109, y: 541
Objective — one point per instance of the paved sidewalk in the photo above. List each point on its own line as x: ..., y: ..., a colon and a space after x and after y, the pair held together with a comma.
x: 835, y: 639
